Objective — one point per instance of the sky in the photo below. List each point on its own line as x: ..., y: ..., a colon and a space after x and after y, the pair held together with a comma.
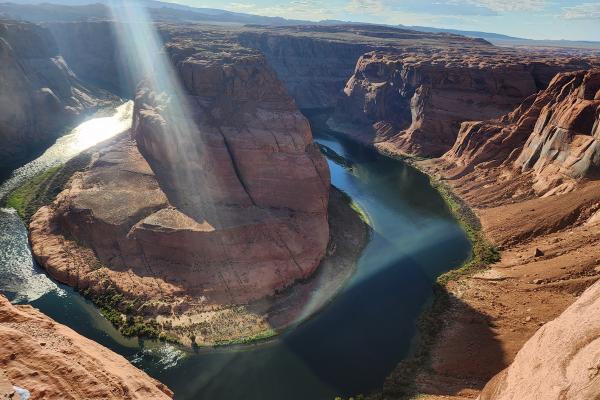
x: 534, y: 19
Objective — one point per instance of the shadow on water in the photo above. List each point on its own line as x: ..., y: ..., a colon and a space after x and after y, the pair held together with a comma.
x: 354, y: 342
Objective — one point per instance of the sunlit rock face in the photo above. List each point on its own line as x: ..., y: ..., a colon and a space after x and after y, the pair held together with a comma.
x: 220, y: 196
x: 414, y: 103
x: 552, y: 136
x: 49, y: 360
x: 560, y: 361
x: 39, y: 95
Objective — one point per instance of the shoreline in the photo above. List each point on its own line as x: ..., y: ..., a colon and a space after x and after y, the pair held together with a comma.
x: 402, y: 381
x: 486, y: 309
x: 269, y: 316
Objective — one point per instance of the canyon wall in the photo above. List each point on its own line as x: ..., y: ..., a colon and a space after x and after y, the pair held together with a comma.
x: 91, y: 49
x: 315, y: 62
x: 413, y: 103
x: 39, y: 94
x: 552, y: 137
x: 314, y: 70
x: 531, y: 177
x: 560, y: 361
x: 50, y: 360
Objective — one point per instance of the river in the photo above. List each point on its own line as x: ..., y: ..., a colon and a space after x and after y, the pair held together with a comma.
x: 346, y: 349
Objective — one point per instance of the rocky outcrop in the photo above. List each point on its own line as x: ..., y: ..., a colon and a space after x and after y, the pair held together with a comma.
x: 530, y: 176
x: 315, y: 62
x: 39, y: 94
x: 48, y: 360
x: 414, y: 103
x: 219, y: 199
x: 560, y: 361
x: 552, y: 136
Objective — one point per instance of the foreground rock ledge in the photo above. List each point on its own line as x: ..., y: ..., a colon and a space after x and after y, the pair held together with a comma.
x: 52, y: 361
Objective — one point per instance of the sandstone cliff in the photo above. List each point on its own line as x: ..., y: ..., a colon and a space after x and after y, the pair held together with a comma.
x: 560, y: 361
x: 51, y: 361
x: 530, y: 176
x: 414, y: 102
x: 39, y: 94
x: 552, y: 137
x: 201, y: 210
x: 91, y: 50
x: 315, y: 62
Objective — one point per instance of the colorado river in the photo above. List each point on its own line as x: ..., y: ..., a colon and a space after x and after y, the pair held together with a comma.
x: 346, y: 349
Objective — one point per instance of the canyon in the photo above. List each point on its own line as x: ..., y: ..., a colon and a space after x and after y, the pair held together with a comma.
x: 217, y: 204
x: 197, y: 212
x: 530, y: 177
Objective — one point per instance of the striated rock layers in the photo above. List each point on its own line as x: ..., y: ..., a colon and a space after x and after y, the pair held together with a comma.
x: 39, y: 94
x: 315, y: 62
x: 219, y: 205
x: 52, y: 361
x: 554, y: 136
x: 414, y: 103
x: 531, y: 178
x: 561, y: 361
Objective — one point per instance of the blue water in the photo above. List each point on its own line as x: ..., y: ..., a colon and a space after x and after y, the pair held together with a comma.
x: 347, y: 349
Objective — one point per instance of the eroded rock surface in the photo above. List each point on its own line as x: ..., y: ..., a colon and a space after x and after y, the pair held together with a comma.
x: 414, y: 102
x: 50, y: 360
x: 39, y: 94
x: 542, y: 215
x: 552, y: 135
x: 315, y: 62
x: 560, y: 361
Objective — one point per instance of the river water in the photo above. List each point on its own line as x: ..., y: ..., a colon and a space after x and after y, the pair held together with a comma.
x: 346, y: 349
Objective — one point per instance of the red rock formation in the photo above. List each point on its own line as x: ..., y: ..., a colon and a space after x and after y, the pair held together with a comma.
x: 553, y: 135
x: 314, y: 62
x: 561, y: 361
x: 230, y: 209
x: 52, y: 361
x: 414, y: 103
x: 531, y: 178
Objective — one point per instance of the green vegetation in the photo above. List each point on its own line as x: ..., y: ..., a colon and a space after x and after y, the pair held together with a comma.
x: 25, y: 198
x: 430, y: 322
x: 43, y: 188
x: 483, y: 253
x: 266, y: 334
x: 119, y: 312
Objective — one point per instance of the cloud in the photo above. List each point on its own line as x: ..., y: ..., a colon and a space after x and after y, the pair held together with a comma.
x: 296, y: 9
x: 501, y: 6
x: 372, y: 7
x: 386, y: 8
x: 242, y: 6
x: 582, y: 11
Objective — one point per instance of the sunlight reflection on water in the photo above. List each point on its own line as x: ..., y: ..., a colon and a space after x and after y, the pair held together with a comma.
x: 68, y: 146
x: 19, y: 275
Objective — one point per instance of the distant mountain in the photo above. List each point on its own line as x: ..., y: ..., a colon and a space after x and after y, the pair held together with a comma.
x: 505, y: 40
x: 77, y: 10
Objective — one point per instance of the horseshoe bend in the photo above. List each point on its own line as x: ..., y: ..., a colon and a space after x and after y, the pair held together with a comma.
x: 200, y: 203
